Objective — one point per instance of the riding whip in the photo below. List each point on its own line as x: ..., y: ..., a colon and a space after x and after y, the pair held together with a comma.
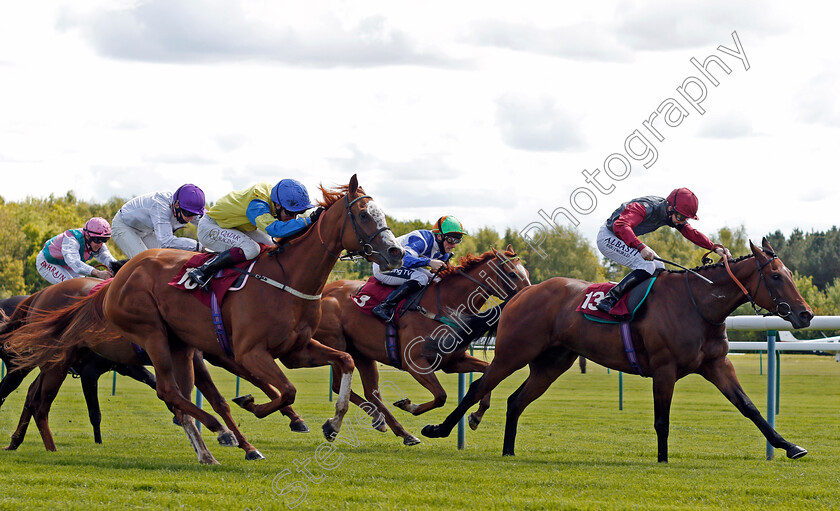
x: 684, y: 268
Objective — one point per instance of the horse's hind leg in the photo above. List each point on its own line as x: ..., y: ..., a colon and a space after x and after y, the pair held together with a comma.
x: 89, y: 376
x: 721, y: 373
x: 25, y: 415
x: 205, y: 384
x: 544, y: 370
x: 51, y: 380
x: 378, y: 421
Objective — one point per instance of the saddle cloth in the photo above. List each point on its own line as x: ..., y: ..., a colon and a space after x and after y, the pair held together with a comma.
x: 372, y: 293
x: 626, y: 307
x: 229, y: 280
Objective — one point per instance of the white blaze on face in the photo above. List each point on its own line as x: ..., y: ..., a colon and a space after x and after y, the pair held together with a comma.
x: 523, y: 274
x: 379, y: 217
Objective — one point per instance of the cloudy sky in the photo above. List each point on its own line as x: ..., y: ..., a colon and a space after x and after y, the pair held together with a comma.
x: 504, y: 114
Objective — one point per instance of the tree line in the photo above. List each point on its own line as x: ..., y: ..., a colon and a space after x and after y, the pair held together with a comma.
x: 813, y: 257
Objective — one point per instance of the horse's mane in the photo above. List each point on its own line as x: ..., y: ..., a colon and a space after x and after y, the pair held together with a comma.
x: 712, y: 266
x: 465, y: 263
x: 331, y: 195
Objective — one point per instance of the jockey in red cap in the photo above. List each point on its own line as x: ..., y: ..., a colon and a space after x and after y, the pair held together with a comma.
x: 617, y: 240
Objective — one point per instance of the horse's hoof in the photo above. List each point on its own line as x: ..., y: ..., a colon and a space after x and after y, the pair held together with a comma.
x: 10, y: 447
x: 473, y: 421
x: 244, y: 401
x: 432, y: 431
x: 411, y: 440
x: 176, y: 421
x: 402, y: 404
x: 796, y: 452
x: 508, y: 453
x: 380, y: 426
x: 329, y: 431
x: 210, y: 460
x: 227, y: 439
x: 254, y: 455
x: 299, y: 427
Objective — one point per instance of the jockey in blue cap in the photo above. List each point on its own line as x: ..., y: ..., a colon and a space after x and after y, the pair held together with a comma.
x: 240, y: 221
x: 151, y: 220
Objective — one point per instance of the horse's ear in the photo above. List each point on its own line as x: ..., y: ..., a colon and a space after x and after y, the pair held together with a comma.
x: 510, y: 248
x: 755, y: 250
x: 354, y: 183
x: 767, y: 248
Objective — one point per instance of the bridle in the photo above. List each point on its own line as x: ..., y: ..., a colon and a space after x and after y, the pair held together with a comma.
x: 366, y: 248
x: 783, y: 308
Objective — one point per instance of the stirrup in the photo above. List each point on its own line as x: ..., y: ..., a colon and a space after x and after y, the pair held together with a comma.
x: 384, y: 315
x: 198, y: 278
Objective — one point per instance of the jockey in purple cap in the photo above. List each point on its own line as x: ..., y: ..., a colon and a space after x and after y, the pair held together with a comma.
x: 151, y: 220
x: 64, y: 256
x: 240, y: 221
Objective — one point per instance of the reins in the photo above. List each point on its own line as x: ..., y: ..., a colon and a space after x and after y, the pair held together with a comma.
x: 783, y: 309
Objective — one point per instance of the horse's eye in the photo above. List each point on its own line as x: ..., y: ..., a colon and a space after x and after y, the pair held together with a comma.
x: 364, y: 215
x: 512, y: 274
x: 776, y: 276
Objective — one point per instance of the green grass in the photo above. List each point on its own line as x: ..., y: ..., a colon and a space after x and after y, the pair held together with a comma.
x: 575, y: 450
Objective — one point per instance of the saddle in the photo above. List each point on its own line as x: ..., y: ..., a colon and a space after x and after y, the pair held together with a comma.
x: 624, y: 310
x: 373, y: 292
x: 229, y: 279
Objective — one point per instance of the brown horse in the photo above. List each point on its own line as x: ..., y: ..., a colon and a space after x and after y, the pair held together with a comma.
x: 115, y: 352
x: 467, y: 286
x: 679, y: 332
x: 274, y: 316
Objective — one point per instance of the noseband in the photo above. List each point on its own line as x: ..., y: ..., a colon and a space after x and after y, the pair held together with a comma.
x: 367, y: 249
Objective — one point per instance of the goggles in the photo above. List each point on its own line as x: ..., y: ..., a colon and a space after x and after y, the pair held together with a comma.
x: 99, y: 239
x: 454, y: 240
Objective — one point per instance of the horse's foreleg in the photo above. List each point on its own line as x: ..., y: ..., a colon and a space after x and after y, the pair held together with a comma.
x: 544, y: 370
x: 377, y: 419
x: 470, y: 364
x: 315, y: 354
x: 663, y: 393
x: 90, y: 387
x: 194, y: 436
x: 296, y: 422
x: 722, y: 374
x: 375, y: 403
x: 11, y: 381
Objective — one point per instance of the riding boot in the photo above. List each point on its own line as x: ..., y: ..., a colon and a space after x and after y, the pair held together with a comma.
x: 385, y: 310
x: 202, y: 275
x: 627, y: 283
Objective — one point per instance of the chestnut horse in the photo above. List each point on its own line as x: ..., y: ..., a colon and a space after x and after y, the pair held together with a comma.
x: 273, y: 317
x: 680, y: 331
x: 117, y: 353
x: 344, y: 326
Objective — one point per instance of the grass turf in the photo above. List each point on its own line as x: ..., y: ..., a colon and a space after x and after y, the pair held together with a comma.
x: 575, y: 450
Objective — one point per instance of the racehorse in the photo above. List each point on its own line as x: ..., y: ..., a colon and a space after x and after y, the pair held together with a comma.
x: 274, y: 316
x: 680, y: 331
x: 345, y: 327
x: 117, y: 353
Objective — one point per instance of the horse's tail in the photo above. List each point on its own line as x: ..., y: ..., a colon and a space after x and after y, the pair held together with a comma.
x: 13, y: 322
x: 45, y: 338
